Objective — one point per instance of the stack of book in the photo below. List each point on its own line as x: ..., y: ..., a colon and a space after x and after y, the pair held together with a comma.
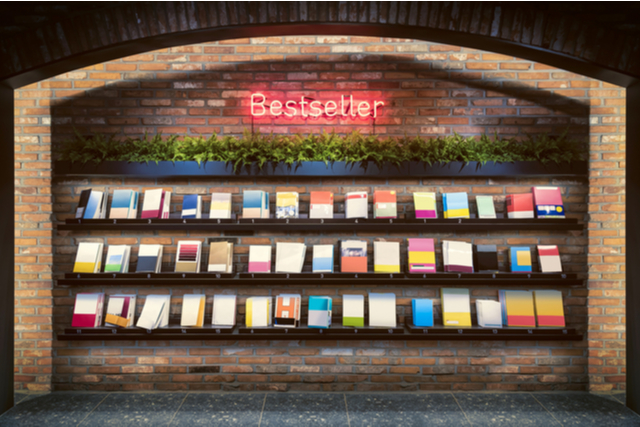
x: 290, y: 257
x: 549, y: 308
x: 124, y: 204
x: 319, y: 312
x: 356, y: 205
x: 156, y: 204
x: 353, y: 310
x: 287, y: 311
x: 520, y: 259
x: 425, y: 205
x: 224, y: 310
x: 549, y: 259
x: 422, y: 256
x: 259, y: 259
x: 548, y: 202
x: 188, y: 256
x: 386, y: 257
x: 384, y: 204
x: 192, y: 206
x: 155, y: 312
x: 287, y: 205
x: 220, y: 257
x: 117, y: 259
x: 456, y: 307
x: 489, y: 314
x: 149, y: 259
x: 259, y: 312
x: 382, y: 310
x: 520, y: 205
x: 92, y: 205
x: 455, y: 205
x: 457, y: 256
x: 422, y: 309
x: 322, y: 259
x: 353, y: 256
x: 88, y: 258
x: 517, y: 308
x: 87, y: 311
x: 120, y: 310
x: 321, y: 205
x: 485, y: 206
x: 255, y: 204
x: 192, y: 310
x: 220, y: 206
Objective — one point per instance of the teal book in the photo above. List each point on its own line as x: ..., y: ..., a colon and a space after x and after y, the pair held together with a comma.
x: 485, y: 206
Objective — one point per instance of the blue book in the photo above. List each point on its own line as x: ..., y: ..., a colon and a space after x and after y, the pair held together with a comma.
x: 133, y: 212
x: 191, y: 206
x: 520, y: 258
x: 94, y: 205
x: 120, y: 204
x: 456, y: 205
x: 422, y: 312
x: 319, y: 312
x: 265, y: 206
x: 252, y: 204
x: 322, y: 259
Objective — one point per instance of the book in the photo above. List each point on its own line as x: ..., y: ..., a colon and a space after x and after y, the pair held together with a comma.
x: 455, y: 205
x: 422, y: 255
x: 255, y: 204
x: 457, y: 256
x: 287, y: 311
x: 155, y: 312
x: 290, y: 257
x: 489, y: 314
x: 386, y: 257
x: 87, y: 310
x: 156, y: 204
x: 220, y: 206
x: 520, y: 205
x: 520, y: 310
x: 259, y: 259
x: 485, y: 206
x: 117, y: 260
x: 149, y: 259
x: 549, y: 308
x: 520, y: 258
x: 456, y: 307
x: 425, y: 205
x: 124, y: 204
x: 353, y: 310
x: 384, y: 204
x: 95, y: 206
x: 502, y: 299
x: 88, y: 258
x: 120, y: 310
x: 382, y: 310
x: 319, y: 312
x: 259, y: 312
x: 192, y: 310
x: 321, y: 205
x: 548, y: 202
x: 166, y: 205
x: 82, y: 203
x: 353, y: 256
x: 422, y: 309
x: 549, y: 259
x: 188, y: 256
x: 322, y: 259
x: 192, y: 206
x: 220, y: 257
x: 224, y: 310
x: 356, y: 205
x: 287, y: 205
x: 486, y: 259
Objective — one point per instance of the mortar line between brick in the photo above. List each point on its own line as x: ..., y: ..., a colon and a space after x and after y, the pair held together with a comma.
x: 264, y: 403
x: 462, y: 410
x: 346, y: 407
x: 178, y: 410
x: 96, y: 407
x: 545, y: 408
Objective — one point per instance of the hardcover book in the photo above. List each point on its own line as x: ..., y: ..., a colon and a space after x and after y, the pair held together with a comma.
x: 425, y: 205
x: 321, y: 205
x: 457, y: 256
x: 353, y: 310
x: 455, y: 205
x: 520, y: 259
x: 548, y: 202
x: 422, y: 309
x: 422, y: 255
x: 520, y: 205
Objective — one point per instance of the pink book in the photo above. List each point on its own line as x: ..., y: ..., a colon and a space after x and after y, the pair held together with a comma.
x: 548, y: 202
x: 87, y: 311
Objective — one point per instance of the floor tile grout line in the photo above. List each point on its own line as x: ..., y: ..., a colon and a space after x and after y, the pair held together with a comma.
x: 346, y: 406
x: 264, y: 402
x: 92, y: 411
x: 178, y: 410
x: 462, y: 410
x: 545, y: 408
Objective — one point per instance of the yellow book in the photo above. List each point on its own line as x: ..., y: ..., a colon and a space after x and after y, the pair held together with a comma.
x: 549, y: 308
x: 456, y: 307
x: 286, y: 205
x: 425, y: 205
x: 116, y: 320
x: 520, y: 311
x: 201, y: 313
x: 249, y: 312
x: 88, y: 258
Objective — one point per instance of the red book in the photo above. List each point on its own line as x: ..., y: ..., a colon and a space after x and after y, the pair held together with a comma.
x: 520, y: 205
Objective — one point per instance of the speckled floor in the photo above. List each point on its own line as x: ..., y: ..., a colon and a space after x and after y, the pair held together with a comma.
x: 318, y: 409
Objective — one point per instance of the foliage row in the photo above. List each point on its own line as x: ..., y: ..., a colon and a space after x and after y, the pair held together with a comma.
x: 326, y: 147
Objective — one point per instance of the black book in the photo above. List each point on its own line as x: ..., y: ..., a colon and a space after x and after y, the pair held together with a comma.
x: 486, y: 258
x: 147, y: 264
x: 82, y: 204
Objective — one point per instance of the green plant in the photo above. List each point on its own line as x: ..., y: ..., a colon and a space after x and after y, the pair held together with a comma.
x: 353, y: 148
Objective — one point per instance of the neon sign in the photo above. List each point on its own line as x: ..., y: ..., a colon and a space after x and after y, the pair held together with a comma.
x: 309, y: 107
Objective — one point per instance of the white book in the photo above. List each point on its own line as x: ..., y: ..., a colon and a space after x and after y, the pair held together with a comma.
x: 220, y: 206
x: 87, y: 310
x: 322, y: 259
x: 155, y: 312
x: 382, y: 310
x: 356, y: 205
x: 353, y: 309
x: 192, y: 310
x: 117, y: 260
x: 188, y: 256
x: 259, y: 259
x: 190, y: 210
x: 457, y: 256
x: 151, y: 206
x: 259, y: 312
x: 166, y: 205
x: 290, y: 257
x: 489, y: 313
x: 88, y: 258
x: 386, y: 257
x: 123, y: 307
x: 224, y: 310
x: 149, y: 258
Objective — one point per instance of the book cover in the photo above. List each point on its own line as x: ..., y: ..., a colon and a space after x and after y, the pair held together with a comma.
x: 353, y: 256
x: 322, y: 259
x: 259, y: 312
x: 287, y: 313
x: 224, y: 310
x: 155, y: 312
x: 489, y: 314
x: 252, y: 203
x: 259, y: 259
x: 266, y: 214
x: 321, y: 205
x: 87, y: 310
x: 192, y: 206
x: 120, y: 310
x: 290, y: 257
x: 456, y: 205
x: 457, y: 256
x: 549, y: 308
x: 286, y: 205
x: 117, y: 260
x: 549, y: 259
x: 548, y: 202
x: 88, y: 258
x: 382, y: 310
x: 422, y: 310
x: 120, y: 204
x: 520, y: 258
x: 486, y: 258
x: 165, y: 210
x: 149, y: 259
x: 520, y: 310
x: 384, y: 204
x: 220, y: 206
x: 319, y: 312
x: 520, y: 205
x: 422, y: 255
x: 95, y: 205
x: 82, y: 203
x: 356, y: 205
x: 188, y: 256
x: 152, y: 204
x: 220, y: 257
x: 192, y: 310
x: 456, y: 307
x: 386, y: 257
x: 425, y: 205
x: 353, y: 310
x: 486, y: 208
x: 133, y: 207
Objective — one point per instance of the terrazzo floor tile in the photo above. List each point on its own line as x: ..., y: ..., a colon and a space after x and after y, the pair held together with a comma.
x: 207, y: 409
x: 583, y: 409
x: 504, y: 409
x: 52, y: 410
x: 129, y: 409
x: 404, y: 410
x: 304, y: 409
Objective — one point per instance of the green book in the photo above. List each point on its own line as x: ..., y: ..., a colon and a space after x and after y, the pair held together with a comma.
x: 485, y: 207
x: 353, y: 310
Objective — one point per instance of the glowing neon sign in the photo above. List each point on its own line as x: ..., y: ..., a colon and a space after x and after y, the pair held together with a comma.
x: 309, y: 107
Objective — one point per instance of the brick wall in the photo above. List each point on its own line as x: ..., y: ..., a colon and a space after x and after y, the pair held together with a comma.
x: 429, y: 89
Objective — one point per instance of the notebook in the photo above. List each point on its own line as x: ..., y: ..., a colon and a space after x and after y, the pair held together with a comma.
x: 520, y: 205
x: 322, y: 259
x: 192, y: 206
x: 489, y: 314
x: 455, y: 205
x: 319, y: 312
x: 422, y: 256
x: 425, y: 205
x: 456, y: 307
x: 356, y: 205
x: 192, y: 310
x: 520, y: 310
x: 259, y: 312
x: 549, y: 259
x: 382, y: 310
x: 384, y: 204
x: 549, y: 308
x: 422, y: 309
x: 353, y: 256
x: 117, y: 260
x: 259, y: 259
x: 149, y: 259
x: 124, y: 204
x: 155, y: 312
x: 457, y: 256
x: 486, y: 258
x: 120, y: 310
x: 287, y: 311
x: 224, y: 310
x: 88, y: 258
x: 386, y: 257
x: 548, y: 202
x: 321, y: 205
x: 290, y: 257
x: 220, y: 206
x: 353, y: 310
x: 486, y: 208
x: 87, y: 310
x: 220, y: 257
x: 188, y: 256
x: 287, y: 205
x: 520, y: 258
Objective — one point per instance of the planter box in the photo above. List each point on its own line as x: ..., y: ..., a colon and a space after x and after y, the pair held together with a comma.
x: 319, y: 169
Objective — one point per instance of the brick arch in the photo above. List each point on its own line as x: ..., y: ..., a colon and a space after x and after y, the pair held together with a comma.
x: 96, y: 35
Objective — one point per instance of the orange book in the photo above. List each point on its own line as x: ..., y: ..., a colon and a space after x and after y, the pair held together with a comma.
x: 321, y: 205
x: 353, y: 256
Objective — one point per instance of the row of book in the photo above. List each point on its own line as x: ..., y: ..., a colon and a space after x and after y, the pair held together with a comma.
x: 545, y: 202
x: 457, y: 257
x: 514, y: 309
